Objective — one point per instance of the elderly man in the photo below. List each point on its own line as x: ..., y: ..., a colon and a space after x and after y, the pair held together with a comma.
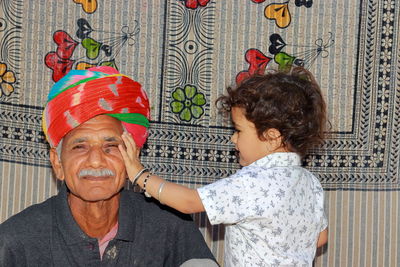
x: 93, y: 221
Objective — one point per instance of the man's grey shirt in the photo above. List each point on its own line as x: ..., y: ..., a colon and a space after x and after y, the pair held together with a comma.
x: 46, y: 234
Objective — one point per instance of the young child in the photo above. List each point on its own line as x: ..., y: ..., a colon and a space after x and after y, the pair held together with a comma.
x: 272, y: 207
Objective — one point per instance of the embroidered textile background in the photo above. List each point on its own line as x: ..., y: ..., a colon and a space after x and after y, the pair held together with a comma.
x: 185, y: 53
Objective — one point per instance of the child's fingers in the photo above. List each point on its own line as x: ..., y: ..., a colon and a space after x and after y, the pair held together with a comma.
x: 126, y: 159
x: 130, y: 148
x: 131, y: 141
x: 137, y: 153
x: 130, y: 155
x: 124, y: 154
x: 133, y: 144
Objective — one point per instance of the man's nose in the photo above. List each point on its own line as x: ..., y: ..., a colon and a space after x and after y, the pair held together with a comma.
x: 96, y: 157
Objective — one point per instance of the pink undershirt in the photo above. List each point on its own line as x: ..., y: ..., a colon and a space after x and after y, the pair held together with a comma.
x: 106, y: 239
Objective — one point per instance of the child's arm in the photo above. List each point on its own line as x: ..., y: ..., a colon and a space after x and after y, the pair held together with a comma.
x: 179, y: 197
x: 322, y: 238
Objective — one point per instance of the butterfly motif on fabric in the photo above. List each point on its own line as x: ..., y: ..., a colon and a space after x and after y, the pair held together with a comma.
x: 257, y: 64
x: 60, y: 61
x: 97, y: 52
x: 306, y: 57
x: 284, y: 60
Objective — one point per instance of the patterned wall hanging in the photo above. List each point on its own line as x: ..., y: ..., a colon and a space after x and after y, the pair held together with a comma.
x: 195, y: 58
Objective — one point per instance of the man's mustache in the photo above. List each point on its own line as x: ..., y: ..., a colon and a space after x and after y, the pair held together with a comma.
x: 95, y: 172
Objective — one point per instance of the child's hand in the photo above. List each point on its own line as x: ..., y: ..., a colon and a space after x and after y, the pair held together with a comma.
x: 130, y: 156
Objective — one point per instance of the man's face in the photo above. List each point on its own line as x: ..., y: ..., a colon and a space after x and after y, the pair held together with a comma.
x: 91, y: 164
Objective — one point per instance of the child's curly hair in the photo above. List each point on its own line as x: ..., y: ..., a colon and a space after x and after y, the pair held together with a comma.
x: 290, y: 102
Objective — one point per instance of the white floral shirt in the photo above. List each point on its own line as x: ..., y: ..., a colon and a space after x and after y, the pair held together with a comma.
x: 273, y: 211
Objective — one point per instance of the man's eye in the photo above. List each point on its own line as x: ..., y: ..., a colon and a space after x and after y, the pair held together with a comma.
x: 78, y: 147
x: 110, y: 147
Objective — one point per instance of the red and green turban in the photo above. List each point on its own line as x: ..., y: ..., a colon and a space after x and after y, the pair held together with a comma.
x: 83, y: 94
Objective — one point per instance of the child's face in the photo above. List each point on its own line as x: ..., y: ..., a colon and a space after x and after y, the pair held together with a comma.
x: 246, y: 139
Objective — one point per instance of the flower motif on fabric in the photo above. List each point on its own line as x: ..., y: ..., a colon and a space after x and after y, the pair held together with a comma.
x: 188, y: 103
x: 7, y: 79
x: 193, y: 4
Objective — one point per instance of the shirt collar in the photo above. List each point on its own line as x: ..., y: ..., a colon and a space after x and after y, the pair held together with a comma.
x: 278, y: 159
x: 67, y: 225
x: 127, y: 217
x: 71, y: 231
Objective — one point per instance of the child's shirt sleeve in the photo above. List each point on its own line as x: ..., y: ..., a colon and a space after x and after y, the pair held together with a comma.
x: 229, y: 200
x: 217, y: 200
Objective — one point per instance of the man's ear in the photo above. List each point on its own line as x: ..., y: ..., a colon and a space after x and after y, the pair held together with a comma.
x: 56, y: 163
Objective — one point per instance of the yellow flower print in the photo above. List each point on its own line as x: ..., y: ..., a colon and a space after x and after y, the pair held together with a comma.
x: 7, y: 78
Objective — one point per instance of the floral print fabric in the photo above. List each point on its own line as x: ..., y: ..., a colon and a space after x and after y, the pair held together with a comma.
x: 273, y: 209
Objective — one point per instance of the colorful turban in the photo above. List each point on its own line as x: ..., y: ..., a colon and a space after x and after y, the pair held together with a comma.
x: 83, y: 94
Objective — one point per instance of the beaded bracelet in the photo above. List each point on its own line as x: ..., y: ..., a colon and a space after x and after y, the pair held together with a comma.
x: 138, y: 175
x: 144, y: 185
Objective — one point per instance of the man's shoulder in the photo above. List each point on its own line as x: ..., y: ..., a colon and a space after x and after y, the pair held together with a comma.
x: 155, y: 225
x: 29, y: 220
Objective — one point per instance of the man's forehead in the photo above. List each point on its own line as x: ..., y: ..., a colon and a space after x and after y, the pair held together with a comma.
x: 79, y: 139
x: 103, y: 127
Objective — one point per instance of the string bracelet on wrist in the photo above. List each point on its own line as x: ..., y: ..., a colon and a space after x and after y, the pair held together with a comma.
x: 160, y: 188
x: 138, y: 175
x: 145, y: 183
